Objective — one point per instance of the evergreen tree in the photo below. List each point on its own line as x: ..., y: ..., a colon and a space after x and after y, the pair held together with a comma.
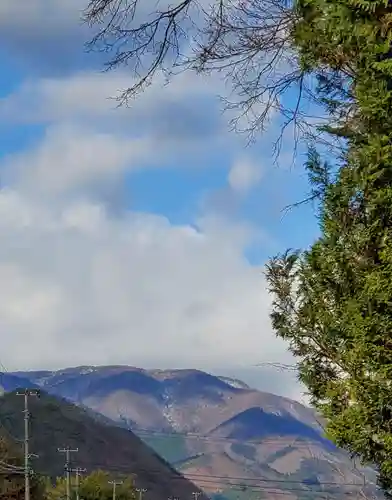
x: 333, y: 302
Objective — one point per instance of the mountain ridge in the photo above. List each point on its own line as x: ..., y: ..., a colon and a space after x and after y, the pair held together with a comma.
x: 55, y: 423
x: 209, y: 426
x: 52, y: 380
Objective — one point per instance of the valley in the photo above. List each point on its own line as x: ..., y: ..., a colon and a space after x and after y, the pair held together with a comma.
x: 222, y: 435
x: 56, y: 423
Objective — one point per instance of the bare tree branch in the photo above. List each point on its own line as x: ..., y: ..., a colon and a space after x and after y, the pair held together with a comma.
x: 249, y: 42
x: 132, y: 41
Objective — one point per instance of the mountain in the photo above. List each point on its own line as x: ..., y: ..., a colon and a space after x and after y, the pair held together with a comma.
x: 226, y: 437
x: 57, y: 423
x: 10, y: 382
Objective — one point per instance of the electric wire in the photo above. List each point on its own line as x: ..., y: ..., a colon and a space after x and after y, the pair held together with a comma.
x: 298, y: 443
x: 5, y: 464
x: 303, y: 442
x: 234, y: 482
x: 240, y: 487
x: 217, y: 478
x: 295, y: 444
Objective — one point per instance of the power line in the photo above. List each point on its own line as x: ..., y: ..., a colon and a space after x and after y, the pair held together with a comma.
x: 241, y: 487
x: 222, y: 482
x: 115, y: 483
x: 27, y: 455
x: 67, y: 468
x: 212, y: 479
x: 78, y: 471
x: 11, y: 466
x: 218, y: 478
x: 256, y: 484
x: 298, y: 444
x: 7, y: 470
x: 141, y: 491
x: 14, y: 469
x: 141, y: 431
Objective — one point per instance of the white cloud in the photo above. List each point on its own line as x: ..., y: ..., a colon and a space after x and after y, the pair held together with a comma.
x: 88, y: 95
x: 50, y: 35
x: 88, y: 141
x: 81, y: 285
x: 78, y: 286
x: 31, y: 14
x: 71, y: 157
x: 44, y: 35
x: 244, y: 175
x: 50, y: 16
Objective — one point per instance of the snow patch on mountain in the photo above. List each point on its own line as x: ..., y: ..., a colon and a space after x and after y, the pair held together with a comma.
x: 168, y: 410
x: 87, y: 369
x: 236, y: 384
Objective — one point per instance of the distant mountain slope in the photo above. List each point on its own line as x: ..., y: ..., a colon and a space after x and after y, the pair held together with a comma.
x: 217, y: 431
x: 56, y: 423
x: 10, y: 382
x: 161, y: 391
x: 255, y: 423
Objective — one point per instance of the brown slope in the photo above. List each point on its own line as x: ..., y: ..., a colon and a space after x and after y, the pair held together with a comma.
x: 191, y: 401
x: 149, y: 397
x: 56, y: 423
x: 186, y: 400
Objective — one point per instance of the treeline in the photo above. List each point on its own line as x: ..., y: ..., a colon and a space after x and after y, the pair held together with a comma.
x: 96, y: 485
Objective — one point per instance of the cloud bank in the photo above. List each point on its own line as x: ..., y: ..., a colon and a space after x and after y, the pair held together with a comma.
x: 83, y: 284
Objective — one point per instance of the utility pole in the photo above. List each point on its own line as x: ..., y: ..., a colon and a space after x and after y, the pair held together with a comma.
x: 115, y: 483
x: 68, y: 452
x: 78, y: 471
x: 26, y: 393
x: 141, y: 491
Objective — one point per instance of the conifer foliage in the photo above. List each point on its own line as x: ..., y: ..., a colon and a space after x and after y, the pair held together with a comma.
x: 333, y: 301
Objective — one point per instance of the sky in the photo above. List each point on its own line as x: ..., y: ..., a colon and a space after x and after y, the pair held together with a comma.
x: 133, y: 235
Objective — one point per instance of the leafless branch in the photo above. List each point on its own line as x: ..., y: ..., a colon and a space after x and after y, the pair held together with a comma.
x: 249, y: 42
x: 133, y: 41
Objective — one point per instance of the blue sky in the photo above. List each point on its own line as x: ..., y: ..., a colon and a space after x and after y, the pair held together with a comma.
x: 141, y: 232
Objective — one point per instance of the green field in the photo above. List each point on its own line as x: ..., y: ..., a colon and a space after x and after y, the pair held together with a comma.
x: 171, y: 448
